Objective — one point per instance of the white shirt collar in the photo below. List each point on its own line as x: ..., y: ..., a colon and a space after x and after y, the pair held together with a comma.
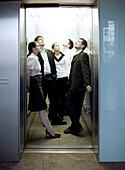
x: 78, y: 52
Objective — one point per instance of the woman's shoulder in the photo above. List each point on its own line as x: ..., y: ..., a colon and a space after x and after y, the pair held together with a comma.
x: 32, y: 56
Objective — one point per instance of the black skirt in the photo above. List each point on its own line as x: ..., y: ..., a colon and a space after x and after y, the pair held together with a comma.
x: 36, y: 97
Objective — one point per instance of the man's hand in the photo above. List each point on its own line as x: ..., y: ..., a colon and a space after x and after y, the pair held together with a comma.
x: 88, y: 88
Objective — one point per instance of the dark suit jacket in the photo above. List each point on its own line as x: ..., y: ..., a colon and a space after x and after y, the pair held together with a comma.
x: 51, y: 62
x: 80, y: 74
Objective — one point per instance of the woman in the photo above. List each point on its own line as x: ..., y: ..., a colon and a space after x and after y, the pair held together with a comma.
x: 34, y: 84
x: 62, y: 77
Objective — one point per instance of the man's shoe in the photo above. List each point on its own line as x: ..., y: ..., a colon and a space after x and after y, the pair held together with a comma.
x: 68, y: 130
x: 80, y: 133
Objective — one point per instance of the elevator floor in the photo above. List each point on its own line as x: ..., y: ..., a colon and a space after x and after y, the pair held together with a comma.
x: 36, y: 138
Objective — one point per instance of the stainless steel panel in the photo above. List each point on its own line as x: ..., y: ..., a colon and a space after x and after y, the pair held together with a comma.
x: 22, y: 76
x: 60, y: 2
x: 9, y: 81
x: 95, y: 51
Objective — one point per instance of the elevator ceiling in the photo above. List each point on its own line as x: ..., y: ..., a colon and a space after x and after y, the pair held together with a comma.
x: 60, y: 2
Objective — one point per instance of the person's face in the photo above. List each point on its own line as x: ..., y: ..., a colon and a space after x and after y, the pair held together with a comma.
x: 41, y: 41
x: 37, y: 49
x: 56, y: 47
x: 66, y: 43
x: 79, y: 45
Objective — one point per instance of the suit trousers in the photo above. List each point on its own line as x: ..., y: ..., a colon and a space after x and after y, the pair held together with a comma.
x: 74, y: 104
x: 50, y: 89
x: 61, y: 88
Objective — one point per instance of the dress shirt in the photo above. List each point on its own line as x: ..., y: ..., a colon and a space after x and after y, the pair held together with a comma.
x: 69, y: 56
x: 77, y: 52
x: 47, y: 69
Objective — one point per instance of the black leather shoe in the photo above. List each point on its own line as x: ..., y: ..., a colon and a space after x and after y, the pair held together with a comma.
x: 68, y: 130
x: 80, y: 133
x: 58, y: 123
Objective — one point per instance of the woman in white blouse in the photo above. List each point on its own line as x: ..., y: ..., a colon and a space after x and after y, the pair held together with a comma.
x: 62, y: 78
x: 34, y: 84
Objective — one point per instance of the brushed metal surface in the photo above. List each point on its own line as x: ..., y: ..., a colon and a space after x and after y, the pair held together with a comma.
x: 9, y: 81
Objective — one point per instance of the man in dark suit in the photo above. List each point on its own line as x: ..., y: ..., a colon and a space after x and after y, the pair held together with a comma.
x: 49, y: 84
x: 80, y: 81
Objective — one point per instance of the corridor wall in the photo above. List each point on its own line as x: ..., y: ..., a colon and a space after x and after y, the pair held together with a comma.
x: 111, y: 81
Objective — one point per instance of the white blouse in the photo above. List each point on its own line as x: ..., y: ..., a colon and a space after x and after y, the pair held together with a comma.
x: 61, y: 67
x: 69, y: 56
x: 34, y: 65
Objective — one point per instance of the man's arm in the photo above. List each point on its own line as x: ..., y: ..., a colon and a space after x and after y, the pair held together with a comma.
x: 86, y: 70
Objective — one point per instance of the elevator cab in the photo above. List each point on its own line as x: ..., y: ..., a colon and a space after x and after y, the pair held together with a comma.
x: 57, y: 24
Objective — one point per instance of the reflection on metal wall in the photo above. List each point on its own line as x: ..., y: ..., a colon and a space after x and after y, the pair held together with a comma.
x: 9, y: 81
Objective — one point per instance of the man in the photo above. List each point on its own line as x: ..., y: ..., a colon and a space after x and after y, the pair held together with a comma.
x: 67, y: 46
x: 79, y: 80
x: 46, y: 59
x: 67, y: 51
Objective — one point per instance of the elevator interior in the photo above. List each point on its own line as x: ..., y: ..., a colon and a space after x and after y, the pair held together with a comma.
x: 57, y: 24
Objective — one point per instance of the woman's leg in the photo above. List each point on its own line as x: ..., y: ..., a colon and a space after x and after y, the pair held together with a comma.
x: 44, y: 118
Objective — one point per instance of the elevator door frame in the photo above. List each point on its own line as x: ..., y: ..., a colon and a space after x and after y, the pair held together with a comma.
x: 57, y: 5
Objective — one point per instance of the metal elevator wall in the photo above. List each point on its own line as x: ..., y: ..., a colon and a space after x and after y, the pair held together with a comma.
x: 11, y: 84
x: 22, y: 76
x: 95, y: 74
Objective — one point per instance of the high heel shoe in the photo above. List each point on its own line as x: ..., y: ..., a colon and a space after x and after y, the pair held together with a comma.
x: 51, y: 136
